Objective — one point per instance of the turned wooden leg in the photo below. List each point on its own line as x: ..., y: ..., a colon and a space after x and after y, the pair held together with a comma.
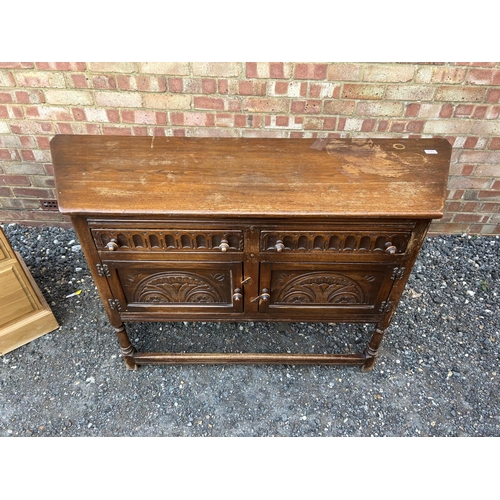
x: 371, y: 351
x: 127, y: 349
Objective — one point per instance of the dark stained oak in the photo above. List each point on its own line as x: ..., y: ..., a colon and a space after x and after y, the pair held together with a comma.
x: 188, y: 229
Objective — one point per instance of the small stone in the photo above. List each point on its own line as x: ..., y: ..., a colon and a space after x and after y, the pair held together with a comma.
x: 76, y: 248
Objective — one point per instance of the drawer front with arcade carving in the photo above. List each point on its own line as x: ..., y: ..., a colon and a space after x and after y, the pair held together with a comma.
x: 175, y: 287
x: 167, y: 240
x: 351, y: 292
x: 392, y: 242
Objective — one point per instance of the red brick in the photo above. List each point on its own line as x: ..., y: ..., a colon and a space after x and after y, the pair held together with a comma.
x: 464, y: 110
x: 64, y: 128
x: 341, y: 123
x: 240, y: 120
x: 5, y: 191
x: 276, y: 70
x: 493, y: 95
x: 223, y: 86
x: 43, y: 142
x: 321, y: 90
x: 141, y: 131
x: 30, y: 192
x: 62, y: 66
x: 308, y: 107
x: 310, y: 71
x: 488, y: 194
x: 208, y: 103
x: 108, y: 82
x: 177, y: 118
x: 456, y: 195
x: 4, y: 113
x: 412, y: 109
x: 470, y: 206
x: 281, y: 88
x: 480, y: 76
x: 251, y: 70
x: 329, y: 123
x: 446, y: 111
x: 192, y: 119
x: 480, y: 112
x: 161, y: 118
x: 249, y: 87
x: 282, y: 121
x: 467, y: 169
x: 79, y: 81
x: 79, y: 114
x: 27, y: 155
x: 150, y: 83
x: 453, y: 206
x: 113, y: 115
x: 398, y: 127
x: 383, y: 125
x: 5, y: 97
x: 368, y: 125
x: 491, y: 207
x: 208, y: 86
x: 31, y: 96
x: 111, y: 130
x: 9, y: 155
x: 495, y: 143
x: 415, y: 126
x: 17, y: 65
x: 470, y: 143
x: 461, y: 217
x: 175, y: 85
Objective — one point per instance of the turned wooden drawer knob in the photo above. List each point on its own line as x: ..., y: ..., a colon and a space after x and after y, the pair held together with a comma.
x: 237, y: 296
x: 390, y: 248
x: 279, y: 246
x: 224, y: 246
x: 112, y: 245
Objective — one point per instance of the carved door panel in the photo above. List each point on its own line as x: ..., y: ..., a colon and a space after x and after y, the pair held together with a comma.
x: 350, y: 291
x: 175, y: 286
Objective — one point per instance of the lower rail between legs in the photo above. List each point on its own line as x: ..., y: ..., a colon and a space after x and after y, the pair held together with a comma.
x: 248, y: 358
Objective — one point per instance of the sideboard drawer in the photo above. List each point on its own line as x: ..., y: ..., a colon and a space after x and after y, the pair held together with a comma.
x: 168, y: 240
x: 338, y: 241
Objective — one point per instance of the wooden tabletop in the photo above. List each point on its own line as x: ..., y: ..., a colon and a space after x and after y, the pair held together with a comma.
x: 250, y: 177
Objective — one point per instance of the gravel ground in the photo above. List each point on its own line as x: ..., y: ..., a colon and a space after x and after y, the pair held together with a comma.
x: 438, y: 373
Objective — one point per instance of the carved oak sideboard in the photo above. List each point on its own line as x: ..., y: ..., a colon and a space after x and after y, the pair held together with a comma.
x: 234, y: 229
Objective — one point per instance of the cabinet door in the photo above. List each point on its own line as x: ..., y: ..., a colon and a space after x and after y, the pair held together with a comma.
x: 347, y: 291
x: 172, y: 287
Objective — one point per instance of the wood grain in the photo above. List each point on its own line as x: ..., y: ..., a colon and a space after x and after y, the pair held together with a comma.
x: 250, y: 177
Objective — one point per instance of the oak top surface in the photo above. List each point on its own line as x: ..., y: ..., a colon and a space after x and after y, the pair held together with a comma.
x: 119, y: 175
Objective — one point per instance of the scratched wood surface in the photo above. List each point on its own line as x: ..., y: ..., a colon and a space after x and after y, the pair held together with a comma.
x: 251, y: 177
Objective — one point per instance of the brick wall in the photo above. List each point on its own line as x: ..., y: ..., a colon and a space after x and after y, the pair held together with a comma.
x: 459, y: 101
